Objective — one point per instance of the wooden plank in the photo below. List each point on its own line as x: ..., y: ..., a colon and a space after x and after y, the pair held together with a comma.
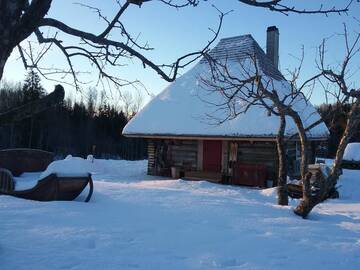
x: 180, y: 151
x: 203, y: 175
x: 200, y: 151
x: 184, y: 156
x: 256, y: 157
x: 191, y: 148
x: 224, y: 157
x: 185, y: 160
x: 151, y: 158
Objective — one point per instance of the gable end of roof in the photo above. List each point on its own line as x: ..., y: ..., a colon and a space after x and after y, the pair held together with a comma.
x: 240, y: 48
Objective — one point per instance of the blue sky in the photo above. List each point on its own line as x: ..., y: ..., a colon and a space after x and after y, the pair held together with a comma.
x: 176, y: 32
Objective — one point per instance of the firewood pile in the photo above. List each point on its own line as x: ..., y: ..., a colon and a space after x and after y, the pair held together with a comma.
x: 295, y: 190
x: 319, y: 176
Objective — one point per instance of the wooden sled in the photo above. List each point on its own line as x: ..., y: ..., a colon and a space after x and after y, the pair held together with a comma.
x: 50, y: 188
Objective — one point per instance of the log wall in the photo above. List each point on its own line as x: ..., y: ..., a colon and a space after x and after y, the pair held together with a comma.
x: 184, y: 154
x: 164, y: 154
x: 264, y: 153
x: 151, y: 157
x: 200, y: 151
x: 187, y: 156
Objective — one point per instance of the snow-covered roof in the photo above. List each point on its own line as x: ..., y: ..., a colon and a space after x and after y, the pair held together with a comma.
x: 238, y: 49
x: 352, y: 152
x: 183, y: 108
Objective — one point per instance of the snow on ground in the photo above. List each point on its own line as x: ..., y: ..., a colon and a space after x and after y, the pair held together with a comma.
x: 27, y: 180
x: 135, y: 221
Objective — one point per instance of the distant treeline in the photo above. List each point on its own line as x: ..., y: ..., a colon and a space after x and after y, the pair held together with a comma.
x: 78, y: 128
x: 335, y: 117
x: 94, y: 127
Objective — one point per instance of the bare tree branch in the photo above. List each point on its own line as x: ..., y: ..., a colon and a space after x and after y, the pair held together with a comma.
x: 21, y: 18
x: 277, y: 6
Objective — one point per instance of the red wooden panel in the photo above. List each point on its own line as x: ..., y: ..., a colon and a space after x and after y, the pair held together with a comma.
x: 249, y: 174
x: 212, y: 156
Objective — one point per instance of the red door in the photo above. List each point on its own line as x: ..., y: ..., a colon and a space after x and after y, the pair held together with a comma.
x: 212, y: 156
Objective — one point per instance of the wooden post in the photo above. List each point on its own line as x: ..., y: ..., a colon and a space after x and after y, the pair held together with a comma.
x: 282, y: 173
x: 200, y: 151
x: 224, y: 157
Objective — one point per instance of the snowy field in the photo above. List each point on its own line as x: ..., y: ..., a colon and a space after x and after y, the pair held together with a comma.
x: 135, y: 221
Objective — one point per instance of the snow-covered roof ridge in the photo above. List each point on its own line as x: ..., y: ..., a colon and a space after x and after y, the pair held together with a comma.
x: 242, y: 47
x: 179, y: 109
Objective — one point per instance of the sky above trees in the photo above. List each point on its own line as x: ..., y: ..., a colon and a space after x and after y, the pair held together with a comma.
x: 173, y: 33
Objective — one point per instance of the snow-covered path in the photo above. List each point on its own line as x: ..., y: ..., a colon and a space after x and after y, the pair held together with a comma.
x: 136, y: 221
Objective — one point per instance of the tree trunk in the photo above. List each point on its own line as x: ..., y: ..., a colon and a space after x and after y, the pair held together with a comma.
x: 18, y: 20
x: 4, y: 56
x: 10, y: 13
x: 287, y: 110
x: 304, y: 154
x: 305, y: 176
x: 306, y: 204
x: 2, y: 66
x: 282, y: 173
x: 328, y: 188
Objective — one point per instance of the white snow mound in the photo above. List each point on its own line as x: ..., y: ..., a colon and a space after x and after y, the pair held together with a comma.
x: 352, y: 152
x: 70, y: 166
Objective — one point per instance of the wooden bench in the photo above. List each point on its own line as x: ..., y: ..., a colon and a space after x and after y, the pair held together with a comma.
x: 21, y: 160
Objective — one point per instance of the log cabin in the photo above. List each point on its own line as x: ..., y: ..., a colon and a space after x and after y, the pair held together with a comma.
x: 184, y: 142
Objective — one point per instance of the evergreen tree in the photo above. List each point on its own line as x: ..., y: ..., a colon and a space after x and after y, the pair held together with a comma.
x: 72, y: 127
x: 32, y: 88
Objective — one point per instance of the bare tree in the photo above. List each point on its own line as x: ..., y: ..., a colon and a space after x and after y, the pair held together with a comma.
x: 250, y: 87
x: 132, y: 102
x: 341, y: 89
x: 19, y: 19
x: 280, y: 6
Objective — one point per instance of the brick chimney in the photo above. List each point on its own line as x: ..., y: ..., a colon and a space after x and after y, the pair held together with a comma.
x: 272, y: 44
